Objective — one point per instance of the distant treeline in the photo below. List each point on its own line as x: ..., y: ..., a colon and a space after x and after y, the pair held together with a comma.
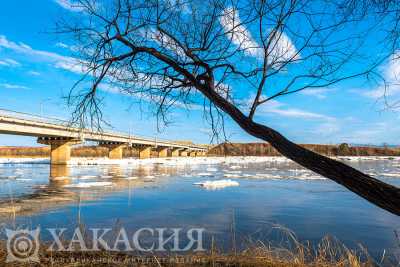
x: 265, y: 149
x: 77, y: 151
x: 225, y: 149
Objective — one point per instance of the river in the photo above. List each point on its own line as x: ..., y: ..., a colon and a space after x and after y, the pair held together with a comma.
x: 257, y: 198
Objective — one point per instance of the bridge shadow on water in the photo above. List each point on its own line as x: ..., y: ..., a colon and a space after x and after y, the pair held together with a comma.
x: 65, y: 187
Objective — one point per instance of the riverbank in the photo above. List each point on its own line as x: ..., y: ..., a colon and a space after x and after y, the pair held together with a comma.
x: 174, y: 161
x: 328, y: 253
x: 265, y: 149
x: 224, y: 149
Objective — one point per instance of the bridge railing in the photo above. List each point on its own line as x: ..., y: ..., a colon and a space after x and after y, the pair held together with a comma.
x: 65, y: 123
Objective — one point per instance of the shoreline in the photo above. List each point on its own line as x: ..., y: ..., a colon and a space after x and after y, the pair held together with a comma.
x: 211, y: 160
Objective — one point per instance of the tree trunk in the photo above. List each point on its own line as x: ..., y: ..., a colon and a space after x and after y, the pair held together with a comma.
x: 375, y: 191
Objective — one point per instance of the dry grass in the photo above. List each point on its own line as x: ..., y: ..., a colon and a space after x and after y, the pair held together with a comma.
x: 328, y: 253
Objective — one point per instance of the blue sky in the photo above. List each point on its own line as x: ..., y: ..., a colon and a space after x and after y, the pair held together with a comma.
x: 34, y: 80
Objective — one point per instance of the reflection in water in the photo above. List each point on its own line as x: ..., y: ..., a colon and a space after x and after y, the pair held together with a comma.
x: 115, y: 171
x: 68, y: 185
x: 59, y: 176
x: 59, y: 171
x: 269, y: 193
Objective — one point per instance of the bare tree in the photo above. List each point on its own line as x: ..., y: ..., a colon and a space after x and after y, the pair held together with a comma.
x: 235, y: 55
x: 388, y: 13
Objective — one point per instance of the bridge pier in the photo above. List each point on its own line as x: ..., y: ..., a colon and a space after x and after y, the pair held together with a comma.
x: 192, y: 153
x: 176, y: 152
x: 184, y: 153
x: 162, y: 152
x: 115, y: 149
x: 144, y: 152
x: 60, y: 148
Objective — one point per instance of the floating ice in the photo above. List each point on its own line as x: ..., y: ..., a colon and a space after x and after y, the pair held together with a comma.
x: 229, y: 171
x: 391, y: 174
x: 24, y: 160
x: 204, y: 174
x: 178, y: 161
x: 234, y: 167
x: 88, y: 184
x: 132, y: 178
x: 232, y: 175
x: 218, y: 184
x: 83, y: 177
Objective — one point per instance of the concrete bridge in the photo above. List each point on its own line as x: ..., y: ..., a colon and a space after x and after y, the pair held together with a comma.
x: 60, y: 136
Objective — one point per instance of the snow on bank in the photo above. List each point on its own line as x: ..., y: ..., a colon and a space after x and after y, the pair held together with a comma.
x: 218, y: 184
x: 24, y: 161
x: 178, y: 161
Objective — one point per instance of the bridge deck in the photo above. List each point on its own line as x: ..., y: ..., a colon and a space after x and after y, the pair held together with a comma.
x: 29, y: 125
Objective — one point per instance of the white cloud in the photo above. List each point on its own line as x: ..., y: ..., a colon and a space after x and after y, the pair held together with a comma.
x: 147, y: 98
x: 26, y: 49
x: 64, y: 62
x: 164, y: 41
x: 69, y: 5
x: 33, y: 73
x: 62, y: 45
x: 281, y: 49
x: 328, y: 128
x: 298, y: 113
x: 278, y: 108
x: 70, y: 66
x: 319, y: 93
x: 391, y: 74
x: 8, y: 62
x: 239, y: 35
x: 12, y: 86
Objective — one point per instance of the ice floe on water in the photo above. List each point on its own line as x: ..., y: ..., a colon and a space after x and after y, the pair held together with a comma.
x: 24, y: 161
x: 87, y: 177
x: 24, y: 179
x: 217, y: 184
x: 132, y: 178
x: 174, y: 161
x: 205, y: 174
x: 275, y: 176
x: 388, y: 174
x: 367, y: 158
x: 232, y: 175
x: 234, y: 167
x: 88, y: 184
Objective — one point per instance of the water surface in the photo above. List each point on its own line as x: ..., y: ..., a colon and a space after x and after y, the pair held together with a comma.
x: 162, y: 194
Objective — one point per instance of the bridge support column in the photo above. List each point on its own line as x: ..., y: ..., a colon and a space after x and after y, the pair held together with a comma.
x: 184, y: 153
x: 60, y: 149
x: 59, y: 171
x: 175, y: 152
x: 193, y: 153
x: 115, y: 149
x: 145, y: 152
x: 163, y: 152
